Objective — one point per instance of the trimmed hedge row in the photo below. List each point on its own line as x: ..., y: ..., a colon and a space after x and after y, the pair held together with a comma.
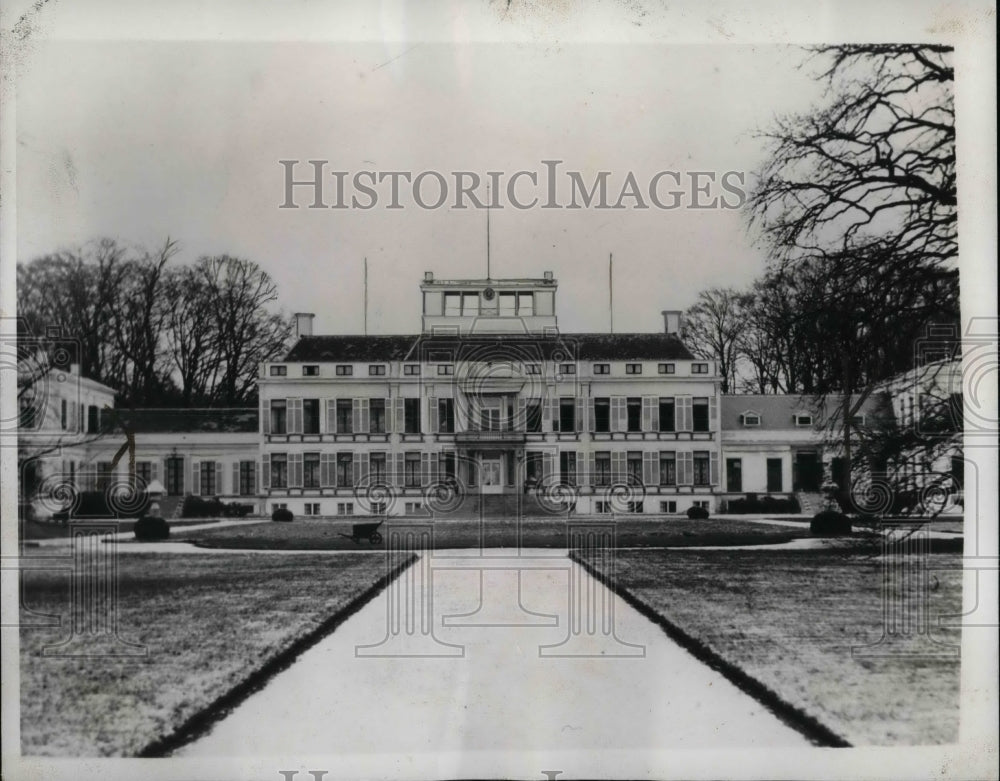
x: 200, y: 507
x: 763, y: 504
x: 94, y: 504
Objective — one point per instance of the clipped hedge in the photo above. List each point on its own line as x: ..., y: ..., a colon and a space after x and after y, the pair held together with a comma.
x: 282, y: 515
x: 200, y: 507
x: 830, y: 523
x: 697, y: 513
x: 151, y: 528
x: 94, y: 504
x: 763, y: 504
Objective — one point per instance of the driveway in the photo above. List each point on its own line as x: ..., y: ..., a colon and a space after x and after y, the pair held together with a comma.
x: 507, y: 676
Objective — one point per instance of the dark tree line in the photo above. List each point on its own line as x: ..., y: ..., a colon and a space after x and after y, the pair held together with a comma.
x: 160, y: 333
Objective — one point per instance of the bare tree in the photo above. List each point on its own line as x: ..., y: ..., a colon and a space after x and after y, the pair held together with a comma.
x: 712, y: 329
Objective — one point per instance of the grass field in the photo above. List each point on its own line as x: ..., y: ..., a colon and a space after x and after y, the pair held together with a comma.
x: 494, y: 533
x: 34, y: 530
x: 790, y: 621
x: 208, y: 622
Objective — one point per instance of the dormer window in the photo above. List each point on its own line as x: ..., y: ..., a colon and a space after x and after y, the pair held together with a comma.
x: 859, y: 420
x: 803, y: 419
x: 750, y: 419
x: 279, y: 371
x: 344, y: 370
x: 532, y: 368
x: 602, y: 368
x: 310, y: 371
x: 376, y: 370
x: 665, y: 368
x: 699, y: 368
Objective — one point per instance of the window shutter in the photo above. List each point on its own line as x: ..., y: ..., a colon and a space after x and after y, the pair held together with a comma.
x: 435, y: 468
x: 331, y: 416
x: 579, y: 410
x: 547, y: 465
x: 590, y: 416
x: 684, y: 416
x: 654, y: 414
x: 647, y: 413
x: 294, y: 416
x: 154, y: 470
x: 685, y: 468
x: 196, y: 478
x: 434, y: 422
x: 387, y: 422
x: 713, y: 413
x: 620, y: 414
x: 400, y: 470
x: 326, y: 470
x: 265, y: 471
x: 425, y: 468
x: 713, y: 468
x: 592, y: 467
x: 356, y: 415
x: 521, y: 413
x: 400, y: 417
x: 649, y: 468
x: 361, y: 478
x: 265, y: 416
x: 581, y: 469
x: 547, y: 422
x: 219, y: 490
x: 294, y: 470
x: 236, y: 478
x: 618, y: 466
x: 366, y: 420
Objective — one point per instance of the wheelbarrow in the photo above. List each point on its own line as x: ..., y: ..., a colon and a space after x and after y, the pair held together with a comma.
x: 365, y: 531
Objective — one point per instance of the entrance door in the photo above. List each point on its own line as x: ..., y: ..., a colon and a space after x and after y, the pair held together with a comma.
x: 492, y: 476
x: 734, y: 475
x: 808, y: 471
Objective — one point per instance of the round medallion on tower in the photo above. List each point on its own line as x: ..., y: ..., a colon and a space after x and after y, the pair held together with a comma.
x: 489, y: 293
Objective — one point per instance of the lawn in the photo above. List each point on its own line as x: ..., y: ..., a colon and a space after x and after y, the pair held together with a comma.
x: 36, y: 530
x: 789, y: 620
x: 495, y: 533
x: 208, y: 622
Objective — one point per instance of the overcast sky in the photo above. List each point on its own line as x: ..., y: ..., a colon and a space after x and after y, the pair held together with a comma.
x: 141, y: 140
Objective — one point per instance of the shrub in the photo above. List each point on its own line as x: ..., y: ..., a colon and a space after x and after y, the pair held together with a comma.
x: 830, y: 523
x: 150, y: 528
x: 282, y: 514
x: 200, y: 507
x: 697, y: 513
x: 94, y: 504
x: 763, y: 504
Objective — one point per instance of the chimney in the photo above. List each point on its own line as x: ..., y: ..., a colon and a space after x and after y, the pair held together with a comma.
x: 672, y: 321
x: 74, y: 369
x: 304, y: 324
x: 428, y: 276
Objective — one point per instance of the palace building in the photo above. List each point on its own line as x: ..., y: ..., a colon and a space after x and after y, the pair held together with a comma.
x: 489, y: 406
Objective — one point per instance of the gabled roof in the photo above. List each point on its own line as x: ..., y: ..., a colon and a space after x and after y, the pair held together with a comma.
x: 192, y: 421
x: 582, y: 347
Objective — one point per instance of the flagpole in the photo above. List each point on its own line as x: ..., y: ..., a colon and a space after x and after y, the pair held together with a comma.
x: 366, y: 297
x: 611, y: 290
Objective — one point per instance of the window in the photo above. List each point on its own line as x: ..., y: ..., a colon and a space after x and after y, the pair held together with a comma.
x: 734, y: 475
x: 699, y: 414
x: 667, y: 414
x: 411, y: 416
x: 93, y: 419
x: 633, y: 465
x: 701, y: 467
x: 175, y: 475
x: 376, y: 468
x: 633, y: 409
x: 414, y: 508
x: 310, y: 371
x: 345, y: 508
x: 279, y: 470
x: 376, y: 370
x: 279, y: 371
x: 446, y: 416
x: 567, y: 415
x: 666, y: 368
x: 411, y: 370
x: 207, y: 478
x: 668, y: 507
x: 533, y: 468
x: 567, y: 468
x: 508, y: 304
x: 62, y: 414
x: 448, y: 464
x: 248, y: 478
x: 602, y: 508
x: 310, y: 470
x: 310, y: 416
x: 526, y: 304
x: 803, y: 420
x: 633, y: 507
x: 532, y: 368
x: 411, y: 470
x: 344, y: 370
x: 345, y: 417
x: 345, y: 470
x: 446, y: 369
x: 774, y: 480
x: 311, y: 508
x: 453, y: 304
x: 489, y: 419
x: 533, y: 416
x: 279, y: 506
x: 376, y: 416
x: 856, y: 420
x: 633, y: 368
x: 602, y: 468
x: 702, y: 504
x: 143, y: 473
x: 699, y: 368
x: 750, y: 419
x: 279, y: 416
x: 567, y: 368
x: 602, y: 415
x: 470, y: 304
x: 602, y: 368
x: 668, y: 468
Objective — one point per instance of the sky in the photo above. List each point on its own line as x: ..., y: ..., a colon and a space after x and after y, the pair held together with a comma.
x: 141, y: 139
